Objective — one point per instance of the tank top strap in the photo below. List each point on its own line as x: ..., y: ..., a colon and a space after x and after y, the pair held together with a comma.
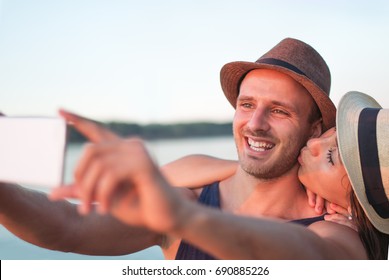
x: 209, y: 196
x: 308, y: 221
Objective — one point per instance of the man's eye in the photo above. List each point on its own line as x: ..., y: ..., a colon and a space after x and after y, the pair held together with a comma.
x: 246, y: 105
x: 278, y: 111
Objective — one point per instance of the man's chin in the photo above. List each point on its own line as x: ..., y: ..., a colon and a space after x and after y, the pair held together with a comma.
x: 271, y: 171
x: 262, y: 173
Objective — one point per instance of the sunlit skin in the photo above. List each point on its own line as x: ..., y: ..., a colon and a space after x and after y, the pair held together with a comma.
x: 271, y: 123
x: 322, y: 170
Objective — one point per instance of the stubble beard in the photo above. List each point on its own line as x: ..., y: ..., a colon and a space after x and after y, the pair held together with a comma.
x: 269, y: 171
x: 285, y: 160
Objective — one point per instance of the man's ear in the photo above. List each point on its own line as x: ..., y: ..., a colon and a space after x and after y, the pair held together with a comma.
x: 317, y: 128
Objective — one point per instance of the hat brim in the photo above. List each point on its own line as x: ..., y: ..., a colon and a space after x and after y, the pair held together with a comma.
x: 349, y: 109
x: 232, y: 74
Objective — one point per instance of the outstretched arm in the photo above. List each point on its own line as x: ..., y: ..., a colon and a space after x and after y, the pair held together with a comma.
x: 227, y: 236
x: 57, y: 225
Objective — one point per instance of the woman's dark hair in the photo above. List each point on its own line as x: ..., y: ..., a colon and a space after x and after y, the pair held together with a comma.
x: 374, y: 241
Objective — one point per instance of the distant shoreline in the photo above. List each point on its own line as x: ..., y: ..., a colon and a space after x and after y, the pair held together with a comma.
x: 161, y: 131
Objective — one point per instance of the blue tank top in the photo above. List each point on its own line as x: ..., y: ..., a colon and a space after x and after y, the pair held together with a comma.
x: 210, y: 196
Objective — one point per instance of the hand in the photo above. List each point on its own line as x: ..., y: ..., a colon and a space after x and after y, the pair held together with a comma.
x: 316, y: 202
x: 121, y: 176
x: 341, y: 216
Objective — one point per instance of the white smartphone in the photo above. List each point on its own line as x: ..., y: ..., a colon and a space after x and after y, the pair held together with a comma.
x: 32, y: 150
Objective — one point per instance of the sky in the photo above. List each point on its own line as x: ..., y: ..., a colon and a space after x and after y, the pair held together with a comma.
x: 159, y: 61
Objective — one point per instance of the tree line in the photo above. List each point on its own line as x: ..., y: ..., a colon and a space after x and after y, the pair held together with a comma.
x: 161, y: 131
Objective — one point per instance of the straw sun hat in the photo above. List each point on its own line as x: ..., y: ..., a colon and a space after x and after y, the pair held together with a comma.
x: 294, y: 58
x: 363, y: 137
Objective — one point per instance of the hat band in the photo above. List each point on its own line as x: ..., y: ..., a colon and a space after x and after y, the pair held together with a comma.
x: 281, y: 63
x: 368, y: 153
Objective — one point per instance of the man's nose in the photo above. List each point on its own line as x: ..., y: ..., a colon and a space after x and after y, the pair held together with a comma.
x: 259, y: 120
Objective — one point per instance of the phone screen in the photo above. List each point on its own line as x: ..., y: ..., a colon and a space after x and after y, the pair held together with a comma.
x: 32, y: 150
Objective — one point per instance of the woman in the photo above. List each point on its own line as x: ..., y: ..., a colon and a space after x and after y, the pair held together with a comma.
x: 142, y: 197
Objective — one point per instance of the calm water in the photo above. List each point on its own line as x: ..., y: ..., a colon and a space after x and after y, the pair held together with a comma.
x: 164, y: 151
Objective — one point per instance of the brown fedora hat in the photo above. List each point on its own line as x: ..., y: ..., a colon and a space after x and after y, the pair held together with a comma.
x: 294, y: 58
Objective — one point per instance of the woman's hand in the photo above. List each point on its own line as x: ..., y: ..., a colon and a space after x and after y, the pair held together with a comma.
x: 316, y: 202
x: 341, y: 216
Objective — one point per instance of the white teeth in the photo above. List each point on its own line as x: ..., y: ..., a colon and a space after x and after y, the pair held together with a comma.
x: 259, y: 146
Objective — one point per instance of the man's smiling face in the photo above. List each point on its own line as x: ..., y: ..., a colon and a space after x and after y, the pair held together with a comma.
x: 271, y: 123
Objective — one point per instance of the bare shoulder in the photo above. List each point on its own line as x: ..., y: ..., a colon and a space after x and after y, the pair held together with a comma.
x: 342, y: 239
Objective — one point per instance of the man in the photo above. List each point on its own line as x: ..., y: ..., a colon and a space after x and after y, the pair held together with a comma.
x: 281, y: 101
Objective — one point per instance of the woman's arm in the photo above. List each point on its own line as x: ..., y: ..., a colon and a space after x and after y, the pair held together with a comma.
x: 198, y: 170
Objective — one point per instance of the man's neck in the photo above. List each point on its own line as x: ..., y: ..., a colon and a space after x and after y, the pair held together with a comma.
x: 283, y: 197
